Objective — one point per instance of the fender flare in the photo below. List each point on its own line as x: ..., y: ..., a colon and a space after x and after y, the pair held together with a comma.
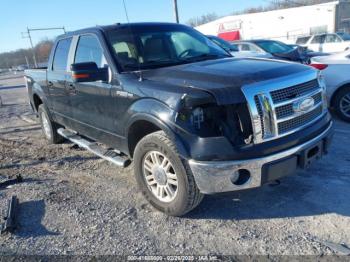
x: 37, y: 90
x: 163, y: 122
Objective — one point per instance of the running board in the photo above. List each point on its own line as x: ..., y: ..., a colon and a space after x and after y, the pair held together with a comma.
x: 113, y: 156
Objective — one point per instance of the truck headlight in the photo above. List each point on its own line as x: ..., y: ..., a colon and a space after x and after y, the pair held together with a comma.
x: 321, y: 80
x: 322, y: 84
x: 197, y: 117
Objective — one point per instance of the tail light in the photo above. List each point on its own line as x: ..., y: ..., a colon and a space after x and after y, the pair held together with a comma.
x: 319, y: 66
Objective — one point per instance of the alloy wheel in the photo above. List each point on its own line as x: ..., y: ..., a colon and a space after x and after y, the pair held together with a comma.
x: 160, y: 176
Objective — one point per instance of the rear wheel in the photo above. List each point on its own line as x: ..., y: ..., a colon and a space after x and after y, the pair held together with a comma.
x: 49, y: 128
x: 163, y: 177
x: 342, y: 103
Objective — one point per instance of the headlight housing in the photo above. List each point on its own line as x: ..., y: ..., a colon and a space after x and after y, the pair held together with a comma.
x: 322, y: 84
x: 321, y: 80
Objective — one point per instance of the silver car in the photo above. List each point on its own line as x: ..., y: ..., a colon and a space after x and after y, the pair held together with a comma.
x: 336, y: 72
x: 235, y: 51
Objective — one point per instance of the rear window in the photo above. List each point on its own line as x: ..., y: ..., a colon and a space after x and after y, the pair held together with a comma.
x: 303, y: 40
x: 61, y: 55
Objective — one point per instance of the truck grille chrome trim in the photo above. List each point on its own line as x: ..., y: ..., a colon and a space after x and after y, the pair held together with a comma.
x: 267, y: 115
x: 277, y: 110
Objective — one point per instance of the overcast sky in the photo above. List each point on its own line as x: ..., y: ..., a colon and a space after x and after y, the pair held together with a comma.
x: 16, y: 15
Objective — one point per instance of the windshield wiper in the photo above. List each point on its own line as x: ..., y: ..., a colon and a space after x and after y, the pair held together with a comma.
x: 151, y: 64
x: 204, y: 57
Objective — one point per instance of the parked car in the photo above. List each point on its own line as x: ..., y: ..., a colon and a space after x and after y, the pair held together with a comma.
x: 309, y: 53
x: 193, y: 119
x: 336, y: 72
x: 329, y: 43
x: 275, y: 49
x: 234, y: 49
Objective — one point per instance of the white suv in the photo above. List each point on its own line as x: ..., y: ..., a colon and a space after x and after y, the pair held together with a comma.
x: 329, y: 43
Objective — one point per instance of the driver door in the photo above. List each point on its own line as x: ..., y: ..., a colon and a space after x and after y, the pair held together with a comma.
x: 92, y: 103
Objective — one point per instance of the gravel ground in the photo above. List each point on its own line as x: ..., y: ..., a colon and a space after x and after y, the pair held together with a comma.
x: 72, y: 202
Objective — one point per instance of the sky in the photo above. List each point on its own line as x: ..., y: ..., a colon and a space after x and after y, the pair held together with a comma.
x: 16, y: 16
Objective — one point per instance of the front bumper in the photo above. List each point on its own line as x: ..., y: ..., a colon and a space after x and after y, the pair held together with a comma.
x: 221, y: 176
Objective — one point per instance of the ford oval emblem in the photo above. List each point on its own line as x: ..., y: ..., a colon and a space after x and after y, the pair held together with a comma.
x: 303, y: 105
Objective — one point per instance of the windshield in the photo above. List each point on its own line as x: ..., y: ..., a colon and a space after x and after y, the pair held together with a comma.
x: 150, y: 47
x: 274, y: 47
x: 224, y: 44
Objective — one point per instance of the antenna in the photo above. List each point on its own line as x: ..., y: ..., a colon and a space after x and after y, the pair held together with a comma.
x: 138, y: 60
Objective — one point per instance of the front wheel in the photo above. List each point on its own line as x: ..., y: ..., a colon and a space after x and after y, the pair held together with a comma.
x: 342, y: 104
x: 163, y: 177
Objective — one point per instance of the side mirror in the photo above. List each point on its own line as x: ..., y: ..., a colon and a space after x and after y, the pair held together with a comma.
x: 88, y: 72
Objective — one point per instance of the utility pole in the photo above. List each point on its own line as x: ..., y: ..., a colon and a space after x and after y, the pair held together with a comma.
x: 31, y: 44
x: 27, y: 35
x: 176, y: 12
x: 27, y: 61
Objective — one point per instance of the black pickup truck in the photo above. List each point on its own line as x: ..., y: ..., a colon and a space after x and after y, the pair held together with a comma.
x: 193, y: 119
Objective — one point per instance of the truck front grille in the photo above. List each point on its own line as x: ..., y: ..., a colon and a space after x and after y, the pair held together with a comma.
x: 277, y: 111
x: 294, y: 91
x: 287, y: 110
x: 290, y: 125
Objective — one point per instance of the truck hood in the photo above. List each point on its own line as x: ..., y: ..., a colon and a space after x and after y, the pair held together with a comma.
x: 224, y: 78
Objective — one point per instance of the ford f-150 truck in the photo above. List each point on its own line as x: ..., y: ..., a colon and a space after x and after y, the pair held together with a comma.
x: 193, y: 119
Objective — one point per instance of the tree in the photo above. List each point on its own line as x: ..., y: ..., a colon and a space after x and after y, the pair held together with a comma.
x: 15, y: 58
x: 202, y: 19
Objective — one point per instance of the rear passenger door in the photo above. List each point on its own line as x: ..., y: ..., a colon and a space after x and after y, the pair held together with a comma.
x: 57, y: 75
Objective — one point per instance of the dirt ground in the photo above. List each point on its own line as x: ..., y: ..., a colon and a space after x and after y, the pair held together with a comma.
x: 72, y: 202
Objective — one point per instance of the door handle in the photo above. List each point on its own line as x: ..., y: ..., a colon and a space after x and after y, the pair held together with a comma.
x: 49, y: 84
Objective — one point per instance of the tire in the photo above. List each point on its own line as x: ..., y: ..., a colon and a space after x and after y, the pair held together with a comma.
x: 48, y: 127
x: 180, y: 193
x: 342, y: 104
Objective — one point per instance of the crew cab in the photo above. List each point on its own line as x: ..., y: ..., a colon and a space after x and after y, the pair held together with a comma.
x: 193, y: 119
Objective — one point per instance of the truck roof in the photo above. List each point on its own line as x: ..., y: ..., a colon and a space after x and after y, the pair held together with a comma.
x: 105, y: 28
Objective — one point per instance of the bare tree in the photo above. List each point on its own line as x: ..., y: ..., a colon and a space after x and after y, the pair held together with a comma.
x: 18, y: 57
x: 202, y: 19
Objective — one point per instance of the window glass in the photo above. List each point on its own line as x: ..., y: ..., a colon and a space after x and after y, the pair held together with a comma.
x: 90, y: 50
x: 61, y: 55
x: 274, y: 47
x: 318, y: 39
x: 249, y: 47
x: 331, y: 38
x: 235, y: 47
x: 151, y: 47
x: 303, y: 40
x: 125, y: 50
x: 183, y: 41
x: 224, y: 44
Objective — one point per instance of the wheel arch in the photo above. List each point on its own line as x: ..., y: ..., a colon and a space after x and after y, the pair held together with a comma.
x: 144, y: 124
x: 336, y: 92
x: 37, y: 101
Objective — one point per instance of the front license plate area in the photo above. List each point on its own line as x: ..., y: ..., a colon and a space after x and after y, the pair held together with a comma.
x: 311, y: 154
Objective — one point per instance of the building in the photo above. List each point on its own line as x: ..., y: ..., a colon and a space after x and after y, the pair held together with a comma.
x: 283, y: 24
